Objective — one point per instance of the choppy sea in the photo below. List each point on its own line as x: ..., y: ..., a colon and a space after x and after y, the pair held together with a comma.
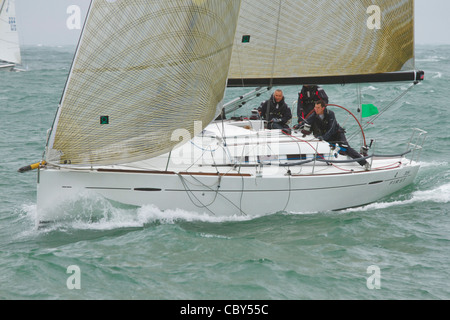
x: 397, y: 248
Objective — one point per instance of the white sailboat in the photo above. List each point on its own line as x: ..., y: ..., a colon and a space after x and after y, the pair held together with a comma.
x: 10, y: 55
x: 135, y: 122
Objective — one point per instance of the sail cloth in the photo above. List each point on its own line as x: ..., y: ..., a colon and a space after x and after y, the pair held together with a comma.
x: 142, y: 70
x: 281, y: 42
x: 9, y: 36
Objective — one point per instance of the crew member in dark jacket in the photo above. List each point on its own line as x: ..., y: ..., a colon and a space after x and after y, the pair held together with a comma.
x: 307, y: 98
x: 325, y: 127
x: 276, y: 112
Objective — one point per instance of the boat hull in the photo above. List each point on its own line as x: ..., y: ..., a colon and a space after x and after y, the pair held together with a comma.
x: 219, y: 194
x: 7, y: 67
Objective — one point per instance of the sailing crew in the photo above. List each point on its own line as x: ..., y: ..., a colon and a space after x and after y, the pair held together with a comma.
x: 276, y: 112
x: 325, y: 127
x: 307, y: 98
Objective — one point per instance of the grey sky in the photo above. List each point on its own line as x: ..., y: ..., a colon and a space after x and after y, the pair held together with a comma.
x: 45, y: 21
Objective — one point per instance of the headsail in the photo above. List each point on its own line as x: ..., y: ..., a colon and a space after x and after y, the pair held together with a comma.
x: 9, y: 37
x: 281, y: 42
x: 143, y: 68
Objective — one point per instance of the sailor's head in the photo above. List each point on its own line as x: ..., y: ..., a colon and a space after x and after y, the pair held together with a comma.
x: 278, y: 95
x: 319, y: 106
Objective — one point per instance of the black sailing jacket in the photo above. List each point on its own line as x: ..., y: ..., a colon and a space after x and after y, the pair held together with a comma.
x: 328, y: 128
x: 278, y: 110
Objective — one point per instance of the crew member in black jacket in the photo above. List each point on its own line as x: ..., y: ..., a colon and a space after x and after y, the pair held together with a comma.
x: 307, y: 98
x: 325, y: 127
x: 276, y: 112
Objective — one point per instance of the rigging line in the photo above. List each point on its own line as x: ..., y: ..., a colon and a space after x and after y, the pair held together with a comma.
x: 217, y: 194
x: 188, y: 192
x: 317, y: 153
x: 224, y: 139
x: 289, y: 194
x: 276, y: 43
x: 203, y: 149
x: 201, y: 156
x: 222, y: 132
x: 55, y: 119
x: 389, y: 166
x: 217, y: 169
x: 297, y: 142
x: 386, y: 108
x: 393, y: 102
x: 216, y: 191
x: 241, y: 197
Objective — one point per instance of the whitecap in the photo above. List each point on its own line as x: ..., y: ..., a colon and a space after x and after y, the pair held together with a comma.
x: 433, y: 163
x: 150, y: 213
x: 440, y: 194
x: 430, y: 59
x: 370, y: 88
x: 438, y: 75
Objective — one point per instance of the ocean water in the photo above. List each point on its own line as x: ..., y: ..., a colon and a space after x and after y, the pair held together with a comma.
x: 397, y: 248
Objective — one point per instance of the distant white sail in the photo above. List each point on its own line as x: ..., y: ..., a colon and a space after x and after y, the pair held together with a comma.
x: 9, y: 37
x: 142, y: 70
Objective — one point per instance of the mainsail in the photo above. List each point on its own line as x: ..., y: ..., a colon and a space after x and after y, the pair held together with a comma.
x: 142, y: 70
x: 282, y: 42
x: 9, y: 37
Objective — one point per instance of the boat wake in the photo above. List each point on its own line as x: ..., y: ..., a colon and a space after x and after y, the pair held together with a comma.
x: 90, y: 212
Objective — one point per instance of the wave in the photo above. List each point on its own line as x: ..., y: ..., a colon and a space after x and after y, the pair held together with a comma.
x: 95, y: 213
x: 431, y: 59
x: 440, y: 194
x: 370, y: 88
x: 433, y: 163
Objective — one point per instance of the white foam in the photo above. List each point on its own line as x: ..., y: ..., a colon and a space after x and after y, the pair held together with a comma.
x: 370, y: 88
x: 430, y: 59
x: 433, y: 163
x: 89, y: 212
x: 438, y: 195
x: 151, y: 213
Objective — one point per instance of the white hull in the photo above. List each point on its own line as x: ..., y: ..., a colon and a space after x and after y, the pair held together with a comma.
x: 6, y: 66
x: 224, y: 190
x: 236, y: 196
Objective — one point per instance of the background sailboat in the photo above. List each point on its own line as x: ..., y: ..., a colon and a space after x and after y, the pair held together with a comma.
x: 146, y: 74
x: 10, y: 55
